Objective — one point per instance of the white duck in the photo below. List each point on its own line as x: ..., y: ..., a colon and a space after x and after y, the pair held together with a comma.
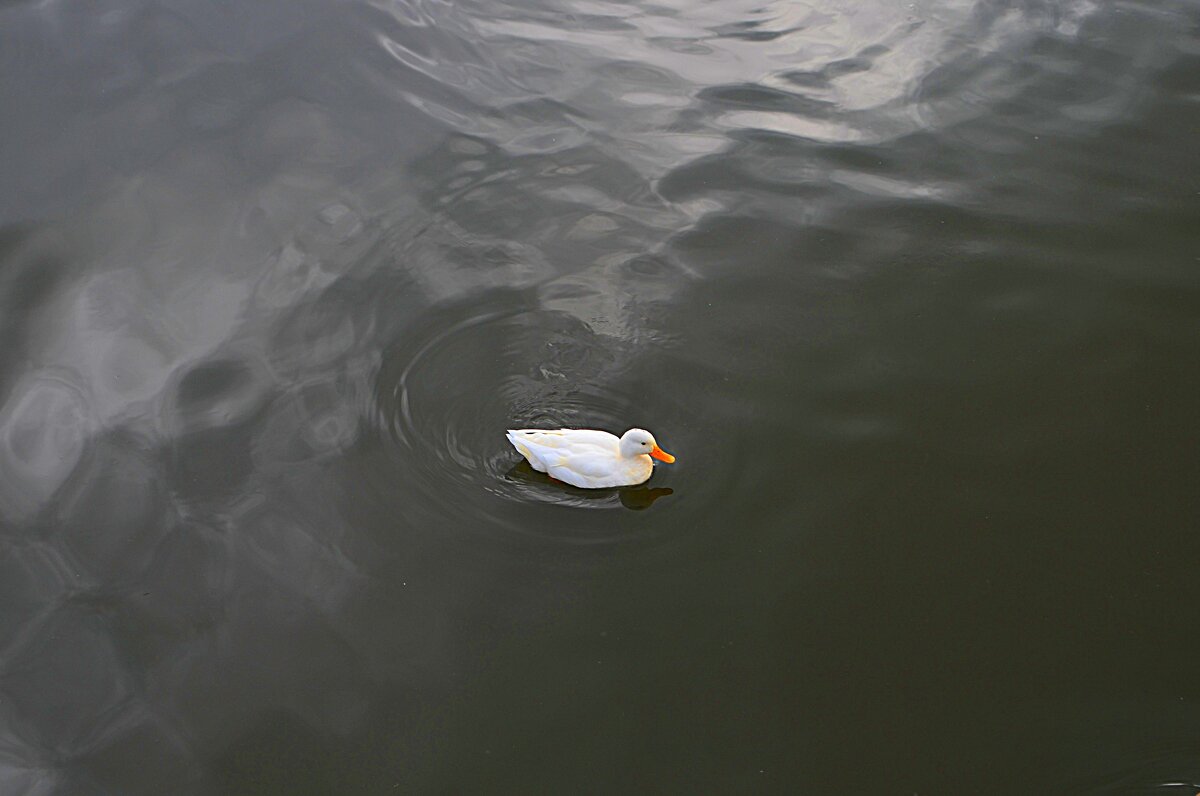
x: 590, y: 459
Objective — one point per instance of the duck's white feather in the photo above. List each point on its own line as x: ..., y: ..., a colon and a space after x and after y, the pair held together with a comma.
x: 584, y: 458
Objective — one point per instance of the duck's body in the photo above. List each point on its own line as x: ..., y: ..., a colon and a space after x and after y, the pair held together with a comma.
x: 588, y: 458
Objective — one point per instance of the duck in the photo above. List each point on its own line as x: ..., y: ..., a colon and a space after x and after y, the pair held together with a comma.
x: 589, y: 458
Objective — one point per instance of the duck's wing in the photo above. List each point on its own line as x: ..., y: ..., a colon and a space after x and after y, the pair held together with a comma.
x: 590, y: 464
x: 577, y: 456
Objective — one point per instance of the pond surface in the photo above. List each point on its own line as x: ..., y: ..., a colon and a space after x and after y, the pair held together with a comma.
x: 912, y: 290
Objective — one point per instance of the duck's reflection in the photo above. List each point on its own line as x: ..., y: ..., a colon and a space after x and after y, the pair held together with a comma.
x: 636, y: 498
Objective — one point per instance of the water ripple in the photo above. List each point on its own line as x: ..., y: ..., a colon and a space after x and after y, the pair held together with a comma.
x: 447, y: 392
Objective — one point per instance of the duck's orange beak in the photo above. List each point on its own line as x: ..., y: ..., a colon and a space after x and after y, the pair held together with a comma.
x: 662, y: 455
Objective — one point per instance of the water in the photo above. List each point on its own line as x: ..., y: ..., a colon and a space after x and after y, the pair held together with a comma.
x: 910, y: 289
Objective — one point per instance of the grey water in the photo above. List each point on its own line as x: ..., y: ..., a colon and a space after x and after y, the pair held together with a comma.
x: 912, y: 291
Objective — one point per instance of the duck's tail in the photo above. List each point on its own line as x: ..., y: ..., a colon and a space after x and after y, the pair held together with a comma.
x: 524, y: 450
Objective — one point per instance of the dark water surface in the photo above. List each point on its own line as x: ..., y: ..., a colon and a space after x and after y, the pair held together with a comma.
x: 911, y: 289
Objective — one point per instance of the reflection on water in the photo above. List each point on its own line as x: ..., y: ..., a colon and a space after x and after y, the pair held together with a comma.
x: 911, y: 286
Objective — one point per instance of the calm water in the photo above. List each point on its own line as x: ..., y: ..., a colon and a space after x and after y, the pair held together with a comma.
x: 911, y: 289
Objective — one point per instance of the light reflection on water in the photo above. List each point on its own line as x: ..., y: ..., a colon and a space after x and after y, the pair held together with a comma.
x: 905, y: 286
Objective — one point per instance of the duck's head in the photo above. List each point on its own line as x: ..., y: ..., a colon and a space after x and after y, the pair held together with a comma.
x: 638, y: 442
